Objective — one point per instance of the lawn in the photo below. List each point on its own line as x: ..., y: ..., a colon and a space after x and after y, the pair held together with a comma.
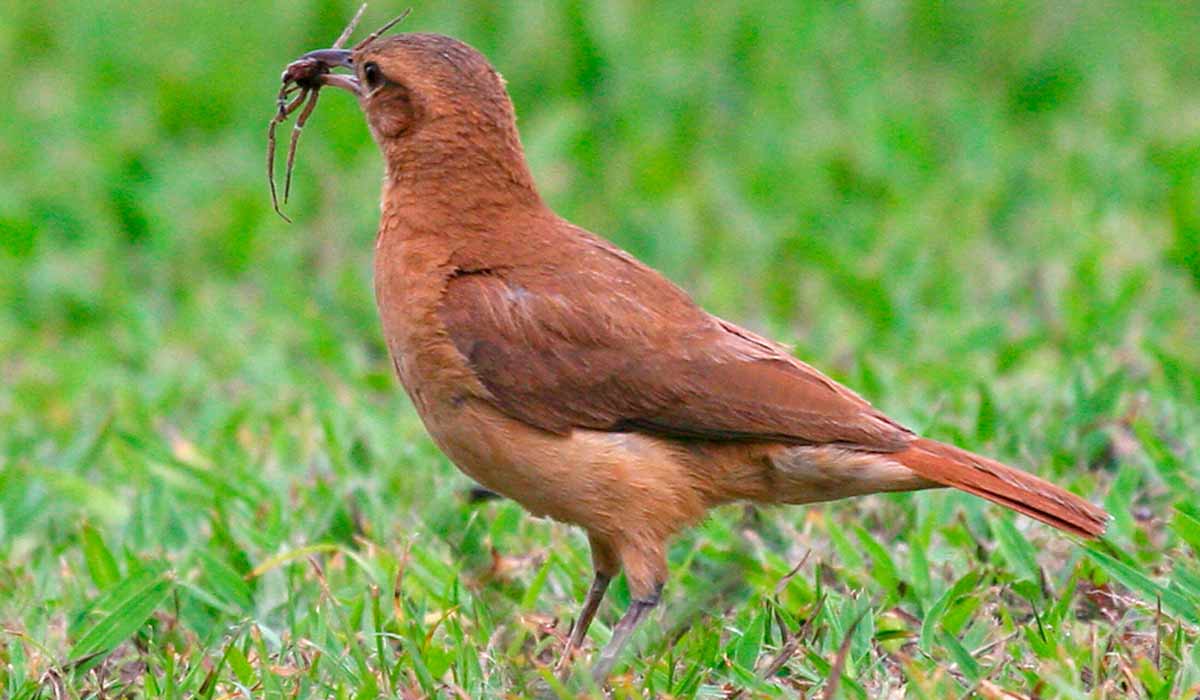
x: 984, y: 216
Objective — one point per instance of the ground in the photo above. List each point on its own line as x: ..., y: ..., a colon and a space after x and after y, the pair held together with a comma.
x: 985, y: 217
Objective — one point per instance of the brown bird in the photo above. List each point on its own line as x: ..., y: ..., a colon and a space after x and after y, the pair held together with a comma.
x: 554, y: 368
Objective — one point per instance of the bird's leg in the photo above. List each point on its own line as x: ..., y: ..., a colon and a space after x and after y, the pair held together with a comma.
x: 637, y: 611
x: 606, y: 565
x: 579, y: 630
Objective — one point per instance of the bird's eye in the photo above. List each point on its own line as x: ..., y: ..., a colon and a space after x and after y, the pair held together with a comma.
x: 372, y: 75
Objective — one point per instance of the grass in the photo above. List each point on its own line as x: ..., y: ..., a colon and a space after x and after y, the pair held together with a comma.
x: 984, y: 216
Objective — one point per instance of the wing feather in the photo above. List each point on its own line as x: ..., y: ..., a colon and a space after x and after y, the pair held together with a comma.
x: 615, y: 346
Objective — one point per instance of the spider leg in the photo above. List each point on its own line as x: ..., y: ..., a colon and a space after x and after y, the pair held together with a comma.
x: 303, y: 76
x: 350, y: 27
x: 285, y: 109
x: 375, y: 34
x: 282, y: 108
x: 296, y: 129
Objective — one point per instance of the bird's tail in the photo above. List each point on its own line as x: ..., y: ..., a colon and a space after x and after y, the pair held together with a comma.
x: 1011, y: 488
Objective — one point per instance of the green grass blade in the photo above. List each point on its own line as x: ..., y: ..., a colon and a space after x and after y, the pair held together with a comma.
x: 135, y: 600
x: 933, y: 618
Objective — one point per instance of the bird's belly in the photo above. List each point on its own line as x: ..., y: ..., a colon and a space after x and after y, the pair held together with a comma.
x: 606, y: 482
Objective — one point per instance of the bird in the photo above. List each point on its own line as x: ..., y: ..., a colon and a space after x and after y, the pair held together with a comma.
x: 556, y: 369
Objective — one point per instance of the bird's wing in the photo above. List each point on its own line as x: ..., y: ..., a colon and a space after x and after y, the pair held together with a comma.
x: 612, y: 345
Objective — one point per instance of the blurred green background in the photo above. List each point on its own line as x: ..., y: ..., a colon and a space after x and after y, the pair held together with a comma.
x: 984, y: 216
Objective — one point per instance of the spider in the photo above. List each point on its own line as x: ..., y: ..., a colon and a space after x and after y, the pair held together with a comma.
x: 306, y: 76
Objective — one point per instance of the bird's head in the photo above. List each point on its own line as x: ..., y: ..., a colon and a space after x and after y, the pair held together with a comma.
x: 432, y: 102
x: 435, y: 106
x: 407, y: 81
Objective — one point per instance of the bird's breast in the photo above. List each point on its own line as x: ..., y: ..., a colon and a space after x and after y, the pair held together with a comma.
x: 410, y: 280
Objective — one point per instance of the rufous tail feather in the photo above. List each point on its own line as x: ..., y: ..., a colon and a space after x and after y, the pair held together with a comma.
x: 1011, y: 488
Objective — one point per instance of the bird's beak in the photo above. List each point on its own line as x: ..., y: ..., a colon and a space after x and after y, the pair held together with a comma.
x: 316, y: 66
x: 331, y: 58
